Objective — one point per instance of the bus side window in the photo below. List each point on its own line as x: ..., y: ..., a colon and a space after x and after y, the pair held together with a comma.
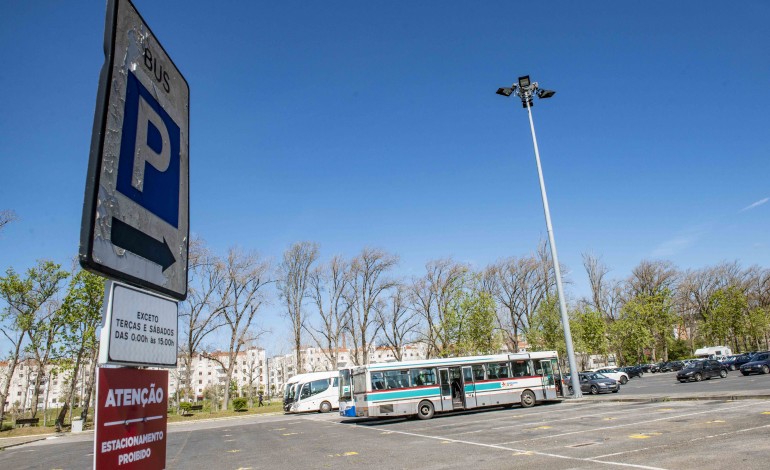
x: 378, y: 381
x: 478, y: 372
x: 491, y: 371
x: 521, y: 369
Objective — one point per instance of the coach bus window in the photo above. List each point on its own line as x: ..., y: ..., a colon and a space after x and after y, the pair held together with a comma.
x: 478, y: 372
x: 318, y: 386
x: 521, y: 369
x: 422, y: 377
x: 397, y: 378
x: 378, y: 381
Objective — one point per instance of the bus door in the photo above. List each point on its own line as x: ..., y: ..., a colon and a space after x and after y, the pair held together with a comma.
x: 548, y: 379
x: 469, y: 387
x: 559, y: 378
x: 446, y: 390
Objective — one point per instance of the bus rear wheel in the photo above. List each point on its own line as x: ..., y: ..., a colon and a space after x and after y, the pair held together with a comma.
x: 325, y: 407
x: 528, y: 399
x: 425, y: 410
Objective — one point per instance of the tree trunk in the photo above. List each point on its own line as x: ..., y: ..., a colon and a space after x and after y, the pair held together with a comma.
x: 36, y: 392
x: 73, y: 384
x: 7, y: 387
x: 89, y: 387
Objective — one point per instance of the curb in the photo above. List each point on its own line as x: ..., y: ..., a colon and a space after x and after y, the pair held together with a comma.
x: 8, y: 446
x: 664, y: 398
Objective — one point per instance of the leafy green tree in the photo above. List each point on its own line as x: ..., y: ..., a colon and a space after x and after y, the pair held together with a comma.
x: 757, y: 324
x: 589, y: 330
x: 725, y: 319
x: 545, y: 329
x: 24, y: 299
x: 631, y: 332
x: 82, y: 314
x: 469, y: 324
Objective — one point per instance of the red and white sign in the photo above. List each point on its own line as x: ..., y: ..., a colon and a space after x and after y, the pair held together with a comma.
x: 131, y: 418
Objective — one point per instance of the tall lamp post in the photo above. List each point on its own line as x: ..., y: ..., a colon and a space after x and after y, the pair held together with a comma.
x: 526, y: 90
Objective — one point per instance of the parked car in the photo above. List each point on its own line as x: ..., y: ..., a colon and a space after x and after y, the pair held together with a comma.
x: 614, y: 373
x: 633, y: 371
x: 735, y: 362
x: 699, y: 370
x: 759, y: 364
x: 594, y: 383
x: 672, y: 366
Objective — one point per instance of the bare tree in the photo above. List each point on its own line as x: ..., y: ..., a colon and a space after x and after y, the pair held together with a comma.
x: 6, y: 217
x: 201, y: 312
x: 431, y: 297
x: 397, y: 321
x: 605, y: 293
x: 651, y: 277
x: 246, y: 275
x: 368, y: 282
x: 522, y: 285
x: 292, y: 283
x: 328, y: 285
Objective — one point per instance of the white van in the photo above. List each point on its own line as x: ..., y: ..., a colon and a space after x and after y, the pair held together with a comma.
x: 316, y: 391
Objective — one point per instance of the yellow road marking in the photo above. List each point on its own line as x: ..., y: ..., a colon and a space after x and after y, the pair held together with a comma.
x: 244, y: 468
x: 766, y: 412
x: 665, y: 409
x: 543, y: 427
x: 345, y: 454
x: 528, y: 452
x: 290, y: 434
x: 233, y: 451
x: 639, y: 436
x: 608, y: 419
x: 279, y: 429
x: 715, y: 421
x: 387, y: 432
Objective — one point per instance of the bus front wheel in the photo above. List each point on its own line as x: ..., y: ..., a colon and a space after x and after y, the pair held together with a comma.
x: 425, y: 410
x: 325, y: 407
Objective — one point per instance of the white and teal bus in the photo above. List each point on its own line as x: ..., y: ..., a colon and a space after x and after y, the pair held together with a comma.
x: 425, y: 387
x: 316, y: 391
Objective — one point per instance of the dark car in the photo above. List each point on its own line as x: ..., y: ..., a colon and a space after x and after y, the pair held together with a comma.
x: 595, y: 383
x: 735, y: 362
x: 759, y: 364
x: 699, y: 370
x: 633, y: 371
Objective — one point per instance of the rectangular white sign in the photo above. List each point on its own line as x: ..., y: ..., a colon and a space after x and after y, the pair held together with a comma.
x: 140, y: 328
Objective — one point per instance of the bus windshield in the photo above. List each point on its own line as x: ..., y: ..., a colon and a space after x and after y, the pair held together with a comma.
x: 290, y: 394
x: 346, y: 392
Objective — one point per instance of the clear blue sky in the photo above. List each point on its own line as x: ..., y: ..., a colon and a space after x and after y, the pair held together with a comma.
x: 358, y: 124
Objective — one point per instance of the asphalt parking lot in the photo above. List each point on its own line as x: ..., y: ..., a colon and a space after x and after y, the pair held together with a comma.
x: 585, y: 434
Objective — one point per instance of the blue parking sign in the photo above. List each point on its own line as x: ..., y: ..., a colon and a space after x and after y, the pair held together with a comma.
x: 148, y: 169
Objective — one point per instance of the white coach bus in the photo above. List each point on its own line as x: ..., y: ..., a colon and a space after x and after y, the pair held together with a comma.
x: 316, y: 391
x: 425, y: 387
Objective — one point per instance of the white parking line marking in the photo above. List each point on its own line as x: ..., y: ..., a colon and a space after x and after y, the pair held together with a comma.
x: 665, y: 418
x: 500, y: 447
x: 680, y: 443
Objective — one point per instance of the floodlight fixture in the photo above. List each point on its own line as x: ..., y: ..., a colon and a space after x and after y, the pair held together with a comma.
x: 541, y: 93
x: 524, y: 81
x: 505, y: 91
